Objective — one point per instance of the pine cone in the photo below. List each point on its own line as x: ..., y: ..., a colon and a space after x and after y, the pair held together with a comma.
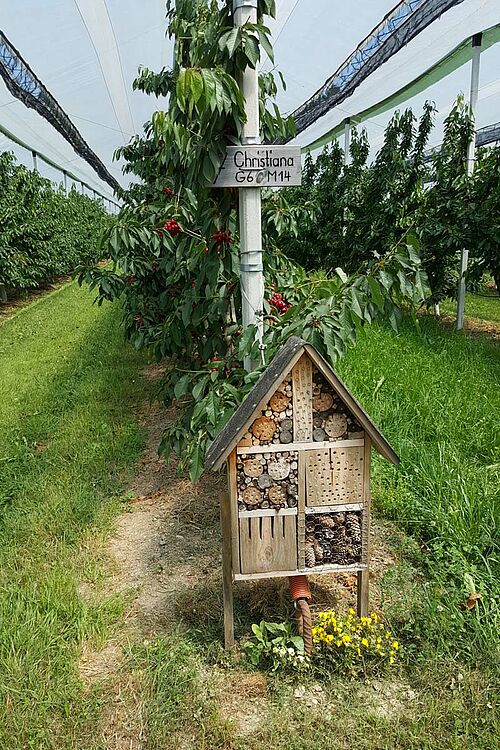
x: 310, y: 557
x: 328, y: 522
x: 318, y: 552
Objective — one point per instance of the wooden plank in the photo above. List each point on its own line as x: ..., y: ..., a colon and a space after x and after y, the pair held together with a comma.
x: 268, y: 544
x: 334, y: 508
x: 302, y: 400
x: 267, y: 512
x: 275, y: 448
x: 227, y: 571
x: 301, y: 522
x: 363, y: 587
x: 233, y: 509
x: 308, y: 571
x: 320, y: 569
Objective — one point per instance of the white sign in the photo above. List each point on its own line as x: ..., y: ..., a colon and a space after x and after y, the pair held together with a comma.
x: 260, y: 166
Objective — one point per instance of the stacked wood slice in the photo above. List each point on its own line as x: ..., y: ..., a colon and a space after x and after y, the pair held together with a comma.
x: 275, y: 425
x: 331, y: 420
x: 333, y: 539
x: 267, y: 481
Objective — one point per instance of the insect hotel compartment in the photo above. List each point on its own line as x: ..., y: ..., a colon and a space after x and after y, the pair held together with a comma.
x: 331, y: 419
x: 267, y: 481
x: 268, y: 543
x: 335, y: 539
x: 335, y: 476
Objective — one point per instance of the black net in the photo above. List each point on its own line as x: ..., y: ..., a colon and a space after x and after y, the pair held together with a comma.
x: 404, y: 22
x: 23, y: 84
x: 489, y: 134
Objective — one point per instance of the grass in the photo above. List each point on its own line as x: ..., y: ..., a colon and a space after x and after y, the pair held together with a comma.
x: 435, y: 395
x: 484, y: 306
x: 67, y: 382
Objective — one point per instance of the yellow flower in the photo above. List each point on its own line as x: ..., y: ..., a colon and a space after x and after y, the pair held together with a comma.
x: 346, y: 638
x: 374, y: 616
x: 395, y: 645
x: 329, y: 638
x: 352, y: 612
x: 364, y: 641
x: 391, y: 660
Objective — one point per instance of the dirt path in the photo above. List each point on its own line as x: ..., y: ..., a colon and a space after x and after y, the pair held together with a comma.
x: 164, y: 558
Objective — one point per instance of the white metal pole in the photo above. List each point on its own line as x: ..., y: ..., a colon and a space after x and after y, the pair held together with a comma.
x: 347, y: 140
x: 471, y: 154
x: 65, y: 178
x: 35, y: 164
x: 251, y: 268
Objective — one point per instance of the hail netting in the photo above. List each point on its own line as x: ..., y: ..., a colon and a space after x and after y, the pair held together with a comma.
x: 24, y: 85
x: 487, y: 135
x: 400, y: 26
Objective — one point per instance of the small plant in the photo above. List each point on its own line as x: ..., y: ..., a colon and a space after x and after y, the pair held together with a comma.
x: 353, y: 644
x: 275, y: 646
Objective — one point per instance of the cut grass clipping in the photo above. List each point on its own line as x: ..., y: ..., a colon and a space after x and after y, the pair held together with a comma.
x: 67, y: 385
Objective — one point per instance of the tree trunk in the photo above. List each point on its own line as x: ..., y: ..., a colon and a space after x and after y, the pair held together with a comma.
x: 496, y: 277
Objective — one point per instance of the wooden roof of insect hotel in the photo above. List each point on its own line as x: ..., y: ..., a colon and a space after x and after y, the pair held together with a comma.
x: 229, y: 437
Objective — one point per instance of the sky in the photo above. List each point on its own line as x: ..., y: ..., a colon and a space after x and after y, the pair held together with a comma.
x: 87, y: 53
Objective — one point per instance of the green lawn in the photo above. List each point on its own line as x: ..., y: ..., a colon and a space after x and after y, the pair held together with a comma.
x: 436, y: 395
x: 484, y: 306
x: 67, y: 383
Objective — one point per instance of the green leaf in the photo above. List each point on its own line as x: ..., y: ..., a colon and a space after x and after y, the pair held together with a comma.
x: 182, y: 386
x: 196, y: 85
x: 230, y: 40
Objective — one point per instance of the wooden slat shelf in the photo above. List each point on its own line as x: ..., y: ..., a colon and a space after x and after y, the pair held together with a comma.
x: 288, y: 447
x: 261, y: 512
x: 302, y: 571
x: 334, y: 508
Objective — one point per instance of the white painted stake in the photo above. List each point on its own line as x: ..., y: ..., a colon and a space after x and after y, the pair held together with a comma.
x: 471, y: 153
x: 347, y: 140
x: 251, y: 268
x: 35, y: 164
x: 65, y: 177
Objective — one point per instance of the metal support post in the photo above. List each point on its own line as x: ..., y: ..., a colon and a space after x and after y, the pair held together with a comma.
x: 347, y: 140
x: 471, y: 153
x: 251, y: 267
x: 65, y: 179
x: 35, y: 162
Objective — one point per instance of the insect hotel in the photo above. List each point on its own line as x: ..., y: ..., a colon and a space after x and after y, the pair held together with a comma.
x: 298, y: 453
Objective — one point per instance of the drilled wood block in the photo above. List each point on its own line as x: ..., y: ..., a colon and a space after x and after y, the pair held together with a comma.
x: 268, y: 543
x: 302, y: 400
x: 318, y: 477
x: 348, y: 474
